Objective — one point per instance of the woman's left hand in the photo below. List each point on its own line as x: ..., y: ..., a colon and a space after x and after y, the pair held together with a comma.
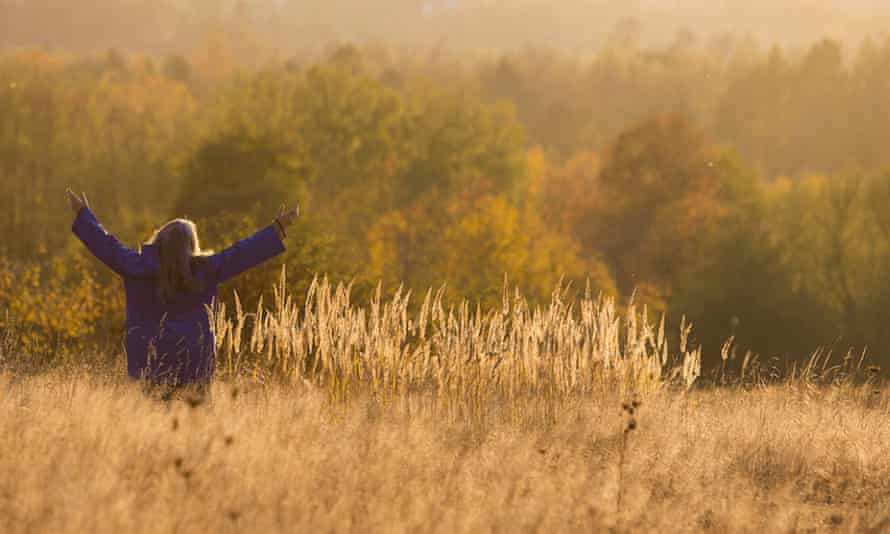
x: 77, y: 203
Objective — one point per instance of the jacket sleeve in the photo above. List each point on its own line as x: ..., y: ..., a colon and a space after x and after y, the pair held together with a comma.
x: 122, y: 260
x: 248, y: 252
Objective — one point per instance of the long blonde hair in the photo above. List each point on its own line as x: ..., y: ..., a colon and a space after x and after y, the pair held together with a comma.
x: 179, y: 251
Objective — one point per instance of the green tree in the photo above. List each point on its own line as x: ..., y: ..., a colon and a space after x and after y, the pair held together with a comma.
x: 460, y: 145
x: 743, y: 283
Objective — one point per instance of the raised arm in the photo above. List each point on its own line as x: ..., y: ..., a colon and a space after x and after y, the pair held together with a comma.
x: 122, y: 260
x: 254, y: 250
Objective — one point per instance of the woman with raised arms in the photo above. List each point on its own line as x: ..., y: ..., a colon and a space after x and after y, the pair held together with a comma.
x: 169, y: 284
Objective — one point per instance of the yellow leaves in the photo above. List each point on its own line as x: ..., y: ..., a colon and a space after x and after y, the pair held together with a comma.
x: 57, y: 299
x: 39, y: 60
x: 383, y: 246
x: 536, y: 161
x: 471, y: 244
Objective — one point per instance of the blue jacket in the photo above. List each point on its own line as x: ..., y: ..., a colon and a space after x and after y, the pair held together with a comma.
x: 171, y: 342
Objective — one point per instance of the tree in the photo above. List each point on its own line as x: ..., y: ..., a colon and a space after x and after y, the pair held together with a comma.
x: 460, y: 145
x: 753, y: 114
x: 742, y: 284
x: 239, y: 174
x: 353, y: 130
x: 659, y: 187
x: 473, y: 245
x: 177, y: 68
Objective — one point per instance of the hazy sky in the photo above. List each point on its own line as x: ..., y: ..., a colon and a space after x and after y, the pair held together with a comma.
x: 574, y: 25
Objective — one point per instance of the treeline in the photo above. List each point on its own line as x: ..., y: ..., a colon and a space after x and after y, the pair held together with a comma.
x: 608, y: 174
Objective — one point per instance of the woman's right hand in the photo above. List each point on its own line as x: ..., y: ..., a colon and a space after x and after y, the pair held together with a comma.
x: 77, y: 203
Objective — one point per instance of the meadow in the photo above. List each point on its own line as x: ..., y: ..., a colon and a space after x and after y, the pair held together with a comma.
x: 688, y: 223
x: 336, y: 417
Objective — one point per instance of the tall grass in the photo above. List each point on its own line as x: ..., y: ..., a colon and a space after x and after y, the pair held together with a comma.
x: 463, y: 358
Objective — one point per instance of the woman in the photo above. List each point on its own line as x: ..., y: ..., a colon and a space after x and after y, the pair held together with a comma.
x: 169, y: 285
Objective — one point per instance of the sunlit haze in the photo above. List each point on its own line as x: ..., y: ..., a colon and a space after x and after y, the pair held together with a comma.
x: 575, y: 25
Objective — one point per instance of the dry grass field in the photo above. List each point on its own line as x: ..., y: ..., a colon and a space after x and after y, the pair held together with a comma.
x: 86, y: 454
x: 340, y: 419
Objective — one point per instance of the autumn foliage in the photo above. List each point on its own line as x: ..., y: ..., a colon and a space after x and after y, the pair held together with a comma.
x: 742, y: 200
